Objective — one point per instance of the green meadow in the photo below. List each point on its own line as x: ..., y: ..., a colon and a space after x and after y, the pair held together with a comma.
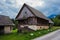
x: 28, y: 36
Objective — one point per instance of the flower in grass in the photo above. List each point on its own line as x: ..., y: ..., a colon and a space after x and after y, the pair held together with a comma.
x: 31, y: 34
x: 48, y: 30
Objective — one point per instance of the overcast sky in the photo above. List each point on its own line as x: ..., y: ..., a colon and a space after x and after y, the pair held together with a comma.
x: 47, y: 7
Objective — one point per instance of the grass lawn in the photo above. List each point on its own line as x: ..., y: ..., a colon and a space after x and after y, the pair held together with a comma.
x: 28, y: 36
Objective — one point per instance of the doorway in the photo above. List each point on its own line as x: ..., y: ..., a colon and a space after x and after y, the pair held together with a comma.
x: 1, y: 29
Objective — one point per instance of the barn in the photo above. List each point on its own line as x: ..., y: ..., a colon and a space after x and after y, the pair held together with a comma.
x: 31, y: 18
x: 5, y: 24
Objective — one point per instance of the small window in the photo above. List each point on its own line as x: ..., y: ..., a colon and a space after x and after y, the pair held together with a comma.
x: 25, y: 12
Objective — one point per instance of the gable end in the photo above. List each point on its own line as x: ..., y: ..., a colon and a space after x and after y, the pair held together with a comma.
x: 22, y: 9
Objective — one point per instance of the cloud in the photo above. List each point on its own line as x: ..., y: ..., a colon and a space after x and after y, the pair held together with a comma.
x: 33, y: 3
x: 7, y: 8
x: 0, y: 12
x: 51, y: 7
x: 12, y: 7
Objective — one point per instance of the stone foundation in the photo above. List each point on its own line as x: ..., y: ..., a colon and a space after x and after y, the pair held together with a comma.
x: 34, y: 27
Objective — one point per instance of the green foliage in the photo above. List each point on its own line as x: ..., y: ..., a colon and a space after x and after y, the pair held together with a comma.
x: 56, y: 20
x: 16, y: 24
x: 28, y: 36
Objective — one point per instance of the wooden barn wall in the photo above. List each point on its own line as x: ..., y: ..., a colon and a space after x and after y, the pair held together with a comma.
x: 25, y: 13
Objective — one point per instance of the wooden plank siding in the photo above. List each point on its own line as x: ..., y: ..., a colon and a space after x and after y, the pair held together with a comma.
x: 34, y: 21
x: 28, y: 21
x: 42, y: 22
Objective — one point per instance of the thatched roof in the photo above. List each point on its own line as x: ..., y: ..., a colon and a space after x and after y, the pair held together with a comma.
x: 35, y: 12
x: 5, y: 20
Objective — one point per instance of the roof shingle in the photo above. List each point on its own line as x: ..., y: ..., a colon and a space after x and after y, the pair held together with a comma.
x: 5, y: 20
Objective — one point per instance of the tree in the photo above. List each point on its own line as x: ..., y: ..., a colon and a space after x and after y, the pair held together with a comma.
x: 56, y: 20
x: 16, y: 23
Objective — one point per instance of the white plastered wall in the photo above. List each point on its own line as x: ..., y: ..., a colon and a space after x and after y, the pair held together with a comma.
x: 7, y: 29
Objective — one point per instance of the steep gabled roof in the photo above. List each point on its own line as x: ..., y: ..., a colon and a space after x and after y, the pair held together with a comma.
x: 35, y: 12
x: 5, y: 20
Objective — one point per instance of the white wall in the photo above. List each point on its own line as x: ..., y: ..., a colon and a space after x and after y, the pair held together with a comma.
x: 7, y: 29
x: 33, y: 27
